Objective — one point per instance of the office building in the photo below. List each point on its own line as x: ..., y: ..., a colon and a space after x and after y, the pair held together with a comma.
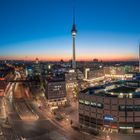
x: 55, y: 91
x: 112, y: 107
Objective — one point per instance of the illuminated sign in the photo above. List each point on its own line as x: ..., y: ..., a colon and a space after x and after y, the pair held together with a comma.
x: 113, y: 126
x: 123, y: 127
x: 108, y: 118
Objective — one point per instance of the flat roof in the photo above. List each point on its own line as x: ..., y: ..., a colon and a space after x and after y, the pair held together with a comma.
x: 91, y: 90
x: 123, y: 89
x: 55, y: 80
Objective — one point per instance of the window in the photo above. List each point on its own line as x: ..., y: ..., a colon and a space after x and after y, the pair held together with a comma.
x: 93, y: 104
x: 129, y: 107
x: 87, y: 103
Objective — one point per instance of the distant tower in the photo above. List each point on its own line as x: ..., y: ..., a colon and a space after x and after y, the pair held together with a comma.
x: 74, y: 32
x: 36, y: 60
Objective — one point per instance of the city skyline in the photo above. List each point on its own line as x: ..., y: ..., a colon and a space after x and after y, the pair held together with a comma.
x: 106, y: 30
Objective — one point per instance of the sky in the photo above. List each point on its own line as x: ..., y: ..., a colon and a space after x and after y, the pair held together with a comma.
x: 107, y: 29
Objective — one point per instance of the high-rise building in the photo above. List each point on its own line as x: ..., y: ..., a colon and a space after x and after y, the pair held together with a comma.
x: 36, y: 68
x: 71, y: 78
x: 55, y: 91
x: 74, y: 32
x: 29, y: 71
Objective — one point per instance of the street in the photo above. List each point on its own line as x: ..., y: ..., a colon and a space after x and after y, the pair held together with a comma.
x: 45, y: 126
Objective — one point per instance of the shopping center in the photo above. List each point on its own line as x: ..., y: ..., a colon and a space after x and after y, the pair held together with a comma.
x: 113, y: 107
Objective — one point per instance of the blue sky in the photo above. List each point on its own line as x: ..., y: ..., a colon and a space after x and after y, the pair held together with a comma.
x: 107, y: 29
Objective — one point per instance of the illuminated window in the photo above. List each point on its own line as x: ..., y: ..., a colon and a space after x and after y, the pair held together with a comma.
x: 129, y: 107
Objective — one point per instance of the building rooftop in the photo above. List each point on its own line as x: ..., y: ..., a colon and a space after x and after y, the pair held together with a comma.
x: 91, y: 90
x: 55, y: 79
x: 116, y: 90
x: 123, y: 89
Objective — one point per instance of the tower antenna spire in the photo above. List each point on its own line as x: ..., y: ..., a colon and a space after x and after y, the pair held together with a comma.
x: 73, y: 15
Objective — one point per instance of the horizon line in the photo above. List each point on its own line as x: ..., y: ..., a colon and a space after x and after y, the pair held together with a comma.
x: 82, y: 60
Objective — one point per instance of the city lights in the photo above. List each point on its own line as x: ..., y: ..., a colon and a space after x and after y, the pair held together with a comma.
x: 69, y: 70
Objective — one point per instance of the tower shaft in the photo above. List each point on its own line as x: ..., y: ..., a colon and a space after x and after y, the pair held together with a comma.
x: 74, y: 57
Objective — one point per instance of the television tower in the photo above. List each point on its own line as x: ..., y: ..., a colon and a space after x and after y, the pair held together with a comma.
x: 74, y: 32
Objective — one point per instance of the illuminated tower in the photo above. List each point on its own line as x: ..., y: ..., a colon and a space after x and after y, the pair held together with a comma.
x: 74, y: 32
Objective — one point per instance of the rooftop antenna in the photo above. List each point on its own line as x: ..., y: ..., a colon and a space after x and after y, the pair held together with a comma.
x: 74, y: 2
x: 73, y: 15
